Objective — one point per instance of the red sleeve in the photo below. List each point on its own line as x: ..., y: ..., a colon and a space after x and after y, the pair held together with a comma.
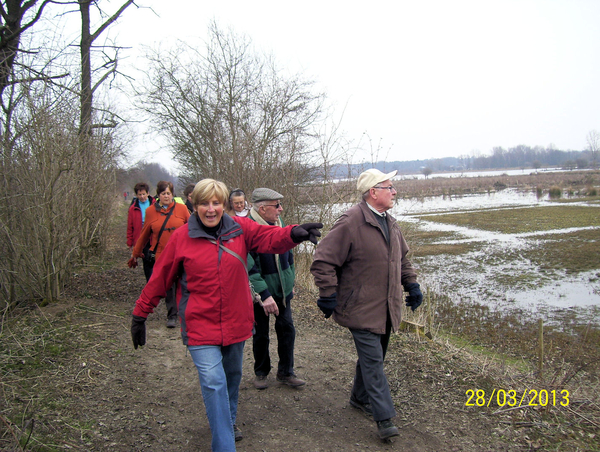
x: 142, y: 239
x: 130, y: 228
x: 164, y: 274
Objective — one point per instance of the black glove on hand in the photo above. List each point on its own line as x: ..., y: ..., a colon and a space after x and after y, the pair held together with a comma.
x: 327, y: 304
x: 415, y: 297
x: 306, y: 231
x: 138, y: 331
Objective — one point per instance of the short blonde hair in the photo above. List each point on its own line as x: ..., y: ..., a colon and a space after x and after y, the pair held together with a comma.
x: 206, y: 189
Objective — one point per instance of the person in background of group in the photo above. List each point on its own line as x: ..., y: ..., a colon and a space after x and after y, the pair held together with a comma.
x: 187, y: 194
x: 237, y: 203
x: 360, y: 267
x: 272, y: 276
x: 136, y: 217
x: 217, y: 317
x: 155, y: 219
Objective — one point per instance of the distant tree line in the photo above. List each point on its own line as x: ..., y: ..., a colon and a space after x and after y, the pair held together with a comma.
x: 518, y: 157
x: 150, y: 173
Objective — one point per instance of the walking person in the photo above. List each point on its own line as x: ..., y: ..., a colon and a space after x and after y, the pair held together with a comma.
x: 360, y: 267
x: 272, y: 276
x: 161, y: 221
x: 136, y: 216
x: 217, y: 317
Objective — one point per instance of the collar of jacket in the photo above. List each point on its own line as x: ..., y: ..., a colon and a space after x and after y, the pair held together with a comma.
x: 370, y: 215
x: 161, y: 210
x: 229, y: 228
x: 136, y: 202
x: 254, y: 215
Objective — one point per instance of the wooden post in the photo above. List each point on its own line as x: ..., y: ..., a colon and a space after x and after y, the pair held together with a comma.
x: 541, y: 351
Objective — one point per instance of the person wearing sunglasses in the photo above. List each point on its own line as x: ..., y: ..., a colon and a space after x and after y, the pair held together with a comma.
x: 272, y: 276
x: 361, y: 268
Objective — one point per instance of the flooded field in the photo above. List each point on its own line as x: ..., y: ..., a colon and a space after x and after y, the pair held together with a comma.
x: 508, y: 248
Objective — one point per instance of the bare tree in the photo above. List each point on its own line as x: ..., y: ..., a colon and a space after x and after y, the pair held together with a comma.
x: 593, y: 141
x: 230, y: 114
x: 426, y: 171
x: 109, y: 66
x: 56, y: 177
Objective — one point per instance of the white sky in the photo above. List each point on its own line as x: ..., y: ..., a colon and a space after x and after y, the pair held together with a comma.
x: 424, y: 78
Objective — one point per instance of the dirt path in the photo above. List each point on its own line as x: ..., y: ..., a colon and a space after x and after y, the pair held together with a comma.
x: 149, y: 399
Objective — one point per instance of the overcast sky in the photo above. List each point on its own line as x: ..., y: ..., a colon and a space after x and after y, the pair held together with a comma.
x: 425, y: 79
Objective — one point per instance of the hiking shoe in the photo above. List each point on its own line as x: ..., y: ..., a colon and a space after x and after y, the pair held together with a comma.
x: 364, y: 407
x: 237, y: 433
x: 172, y: 322
x: 386, y: 429
x: 260, y: 382
x: 290, y: 380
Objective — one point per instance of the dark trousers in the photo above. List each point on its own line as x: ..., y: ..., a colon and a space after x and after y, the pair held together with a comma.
x: 170, y: 300
x: 286, y: 336
x: 147, y: 265
x: 370, y: 382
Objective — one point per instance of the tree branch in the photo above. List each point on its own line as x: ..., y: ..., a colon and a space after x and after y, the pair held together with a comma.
x: 110, y: 20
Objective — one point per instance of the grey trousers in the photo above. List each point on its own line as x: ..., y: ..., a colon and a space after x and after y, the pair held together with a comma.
x: 370, y: 383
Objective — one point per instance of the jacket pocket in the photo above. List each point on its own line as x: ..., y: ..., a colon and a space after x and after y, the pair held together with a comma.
x: 348, y: 302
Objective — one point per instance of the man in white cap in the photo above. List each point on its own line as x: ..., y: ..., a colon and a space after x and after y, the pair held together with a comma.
x: 360, y: 268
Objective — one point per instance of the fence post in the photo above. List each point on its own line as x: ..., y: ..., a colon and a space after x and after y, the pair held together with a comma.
x: 541, y: 349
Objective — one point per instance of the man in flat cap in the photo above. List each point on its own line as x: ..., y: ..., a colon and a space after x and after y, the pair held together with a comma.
x: 360, y: 268
x: 272, y: 276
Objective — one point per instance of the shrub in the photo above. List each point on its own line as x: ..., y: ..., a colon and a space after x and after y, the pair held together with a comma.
x: 555, y: 192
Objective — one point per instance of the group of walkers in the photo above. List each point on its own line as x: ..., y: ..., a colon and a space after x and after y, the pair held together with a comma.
x: 360, y: 268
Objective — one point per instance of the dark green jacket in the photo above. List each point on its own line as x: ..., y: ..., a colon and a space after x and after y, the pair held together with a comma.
x: 271, y: 274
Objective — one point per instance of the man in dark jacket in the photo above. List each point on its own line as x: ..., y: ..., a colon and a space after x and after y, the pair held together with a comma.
x: 360, y: 268
x: 272, y: 276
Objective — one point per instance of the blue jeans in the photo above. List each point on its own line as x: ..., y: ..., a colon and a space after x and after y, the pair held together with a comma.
x: 220, y: 372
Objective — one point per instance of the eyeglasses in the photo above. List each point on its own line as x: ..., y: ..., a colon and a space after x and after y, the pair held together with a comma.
x: 390, y: 188
x: 277, y: 206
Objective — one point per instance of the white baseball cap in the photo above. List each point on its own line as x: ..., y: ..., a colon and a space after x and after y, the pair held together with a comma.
x: 371, y: 177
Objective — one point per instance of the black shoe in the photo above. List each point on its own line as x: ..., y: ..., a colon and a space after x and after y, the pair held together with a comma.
x: 172, y: 322
x: 237, y: 433
x: 364, y: 407
x: 386, y: 429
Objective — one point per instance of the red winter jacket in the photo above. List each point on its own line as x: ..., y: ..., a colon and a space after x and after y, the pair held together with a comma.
x: 213, y: 295
x: 134, y: 221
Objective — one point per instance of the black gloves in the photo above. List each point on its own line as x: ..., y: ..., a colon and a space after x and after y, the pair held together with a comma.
x: 327, y: 304
x: 415, y: 297
x: 138, y: 331
x: 306, y: 231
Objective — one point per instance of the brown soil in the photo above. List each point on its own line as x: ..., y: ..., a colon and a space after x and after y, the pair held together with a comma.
x: 101, y: 394
x: 149, y: 399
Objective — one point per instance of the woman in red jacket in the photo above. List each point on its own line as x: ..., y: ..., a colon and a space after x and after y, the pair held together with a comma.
x: 135, y: 220
x: 204, y: 256
x: 172, y: 215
